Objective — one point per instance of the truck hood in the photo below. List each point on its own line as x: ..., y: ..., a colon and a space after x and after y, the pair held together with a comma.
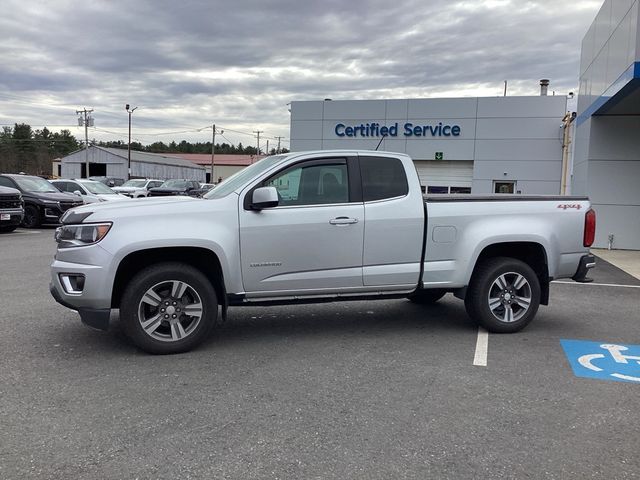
x: 144, y: 207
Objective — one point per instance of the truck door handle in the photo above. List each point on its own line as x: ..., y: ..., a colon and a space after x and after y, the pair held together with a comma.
x: 343, y: 221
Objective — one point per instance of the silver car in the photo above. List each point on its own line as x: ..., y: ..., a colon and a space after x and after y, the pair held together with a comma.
x: 137, y: 188
x: 90, y: 190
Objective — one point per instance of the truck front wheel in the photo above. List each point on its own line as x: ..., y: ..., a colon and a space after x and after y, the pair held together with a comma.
x: 31, y: 217
x: 168, y: 308
x: 503, y: 295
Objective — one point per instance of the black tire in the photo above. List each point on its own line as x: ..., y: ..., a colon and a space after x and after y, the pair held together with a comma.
x: 31, y: 217
x: 514, y: 303
x: 7, y: 229
x: 170, y: 328
x: 427, y: 296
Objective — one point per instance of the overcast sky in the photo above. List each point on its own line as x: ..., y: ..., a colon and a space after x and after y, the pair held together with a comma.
x: 189, y: 64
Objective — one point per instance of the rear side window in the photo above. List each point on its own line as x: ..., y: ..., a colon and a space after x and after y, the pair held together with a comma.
x: 382, y: 178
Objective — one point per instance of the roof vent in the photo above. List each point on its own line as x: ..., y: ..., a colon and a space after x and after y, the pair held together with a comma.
x: 544, y: 86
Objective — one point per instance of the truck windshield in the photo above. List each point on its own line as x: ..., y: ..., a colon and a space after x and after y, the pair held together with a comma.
x: 238, y: 179
x: 35, y: 184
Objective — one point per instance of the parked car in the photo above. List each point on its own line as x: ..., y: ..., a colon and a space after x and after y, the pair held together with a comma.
x: 89, y: 190
x: 43, y: 202
x: 109, y: 181
x: 204, y: 188
x: 11, y: 209
x: 137, y: 188
x: 311, y: 227
x: 176, y: 187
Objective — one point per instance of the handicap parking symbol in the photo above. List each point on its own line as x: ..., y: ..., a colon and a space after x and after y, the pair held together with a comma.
x: 604, y: 361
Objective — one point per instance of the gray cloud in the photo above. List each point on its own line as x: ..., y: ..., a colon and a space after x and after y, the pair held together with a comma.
x: 239, y: 63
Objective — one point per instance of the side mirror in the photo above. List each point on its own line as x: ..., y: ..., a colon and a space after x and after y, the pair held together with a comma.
x: 77, y: 192
x: 264, y: 197
x: 111, y: 183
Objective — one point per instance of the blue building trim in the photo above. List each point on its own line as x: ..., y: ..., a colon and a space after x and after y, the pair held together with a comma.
x: 625, y: 84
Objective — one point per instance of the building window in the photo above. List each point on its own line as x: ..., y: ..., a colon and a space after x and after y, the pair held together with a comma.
x: 504, y: 187
x: 447, y: 189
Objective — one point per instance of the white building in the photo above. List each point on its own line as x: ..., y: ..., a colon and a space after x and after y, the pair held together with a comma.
x: 459, y: 145
x: 113, y: 162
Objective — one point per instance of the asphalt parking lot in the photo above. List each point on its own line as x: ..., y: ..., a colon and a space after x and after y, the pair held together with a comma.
x: 382, y: 390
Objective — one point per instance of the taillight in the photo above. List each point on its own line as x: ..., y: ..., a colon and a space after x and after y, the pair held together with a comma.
x: 589, y: 228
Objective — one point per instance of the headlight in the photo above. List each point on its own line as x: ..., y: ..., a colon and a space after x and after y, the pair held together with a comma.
x: 81, y: 235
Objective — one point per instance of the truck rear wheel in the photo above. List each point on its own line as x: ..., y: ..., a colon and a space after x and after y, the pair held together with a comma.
x: 168, y: 308
x: 503, y: 295
x: 427, y: 296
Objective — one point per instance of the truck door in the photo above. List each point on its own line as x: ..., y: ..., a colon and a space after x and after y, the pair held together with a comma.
x: 394, y: 231
x: 313, y: 240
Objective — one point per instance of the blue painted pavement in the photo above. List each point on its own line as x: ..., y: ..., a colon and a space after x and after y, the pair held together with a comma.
x: 603, y: 361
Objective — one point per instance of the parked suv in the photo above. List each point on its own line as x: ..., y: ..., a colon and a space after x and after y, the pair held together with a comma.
x: 89, y: 190
x: 43, y: 203
x: 11, y: 209
x: 138, y: 188
x: 176, y: 187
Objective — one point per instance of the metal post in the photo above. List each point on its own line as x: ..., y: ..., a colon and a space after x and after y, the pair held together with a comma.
x: 85, y: 120
x: 129, y: 144
x: 258, y: 132
x: 213, y: 147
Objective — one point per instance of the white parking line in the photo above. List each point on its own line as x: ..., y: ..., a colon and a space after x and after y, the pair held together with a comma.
x: 597, y: 284
x: 482, y: 348
x: 26, y: 232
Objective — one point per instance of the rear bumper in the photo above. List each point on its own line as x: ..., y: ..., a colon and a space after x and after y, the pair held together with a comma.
x: 587, y: 262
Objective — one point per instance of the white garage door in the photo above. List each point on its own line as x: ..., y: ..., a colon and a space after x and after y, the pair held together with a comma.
x: 441, y: 176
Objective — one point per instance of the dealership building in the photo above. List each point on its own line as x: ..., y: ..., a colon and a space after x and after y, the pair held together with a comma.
x: 607, y: 143
x: 527, y: 145
x: 459, y: 145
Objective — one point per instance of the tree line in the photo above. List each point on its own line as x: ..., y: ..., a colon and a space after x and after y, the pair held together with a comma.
x: 31, y: 151
x: 187, y: 147
x: 23, y: 149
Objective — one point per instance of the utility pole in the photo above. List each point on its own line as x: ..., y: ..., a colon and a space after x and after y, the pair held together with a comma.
x: 278, y: 149
x: 126, y: 107
x: 213, y: 146
x: 267, y: 151
x: 86, y: 121
x: 258, y: 132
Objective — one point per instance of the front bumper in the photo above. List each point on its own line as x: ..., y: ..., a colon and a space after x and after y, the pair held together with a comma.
x: 587, y: 262
x: 93, y: 300
x: 51, y: 212
x: 92, y: 317
x: 15, y: 217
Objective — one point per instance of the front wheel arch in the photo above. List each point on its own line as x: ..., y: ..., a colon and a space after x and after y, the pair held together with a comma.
x: 200, y: 258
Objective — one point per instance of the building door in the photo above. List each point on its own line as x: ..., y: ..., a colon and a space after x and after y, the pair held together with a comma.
x: 95, y: 170
x: 441, y: 176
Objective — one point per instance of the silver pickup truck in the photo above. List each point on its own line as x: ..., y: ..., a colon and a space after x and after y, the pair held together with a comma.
x: 312, y: 227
